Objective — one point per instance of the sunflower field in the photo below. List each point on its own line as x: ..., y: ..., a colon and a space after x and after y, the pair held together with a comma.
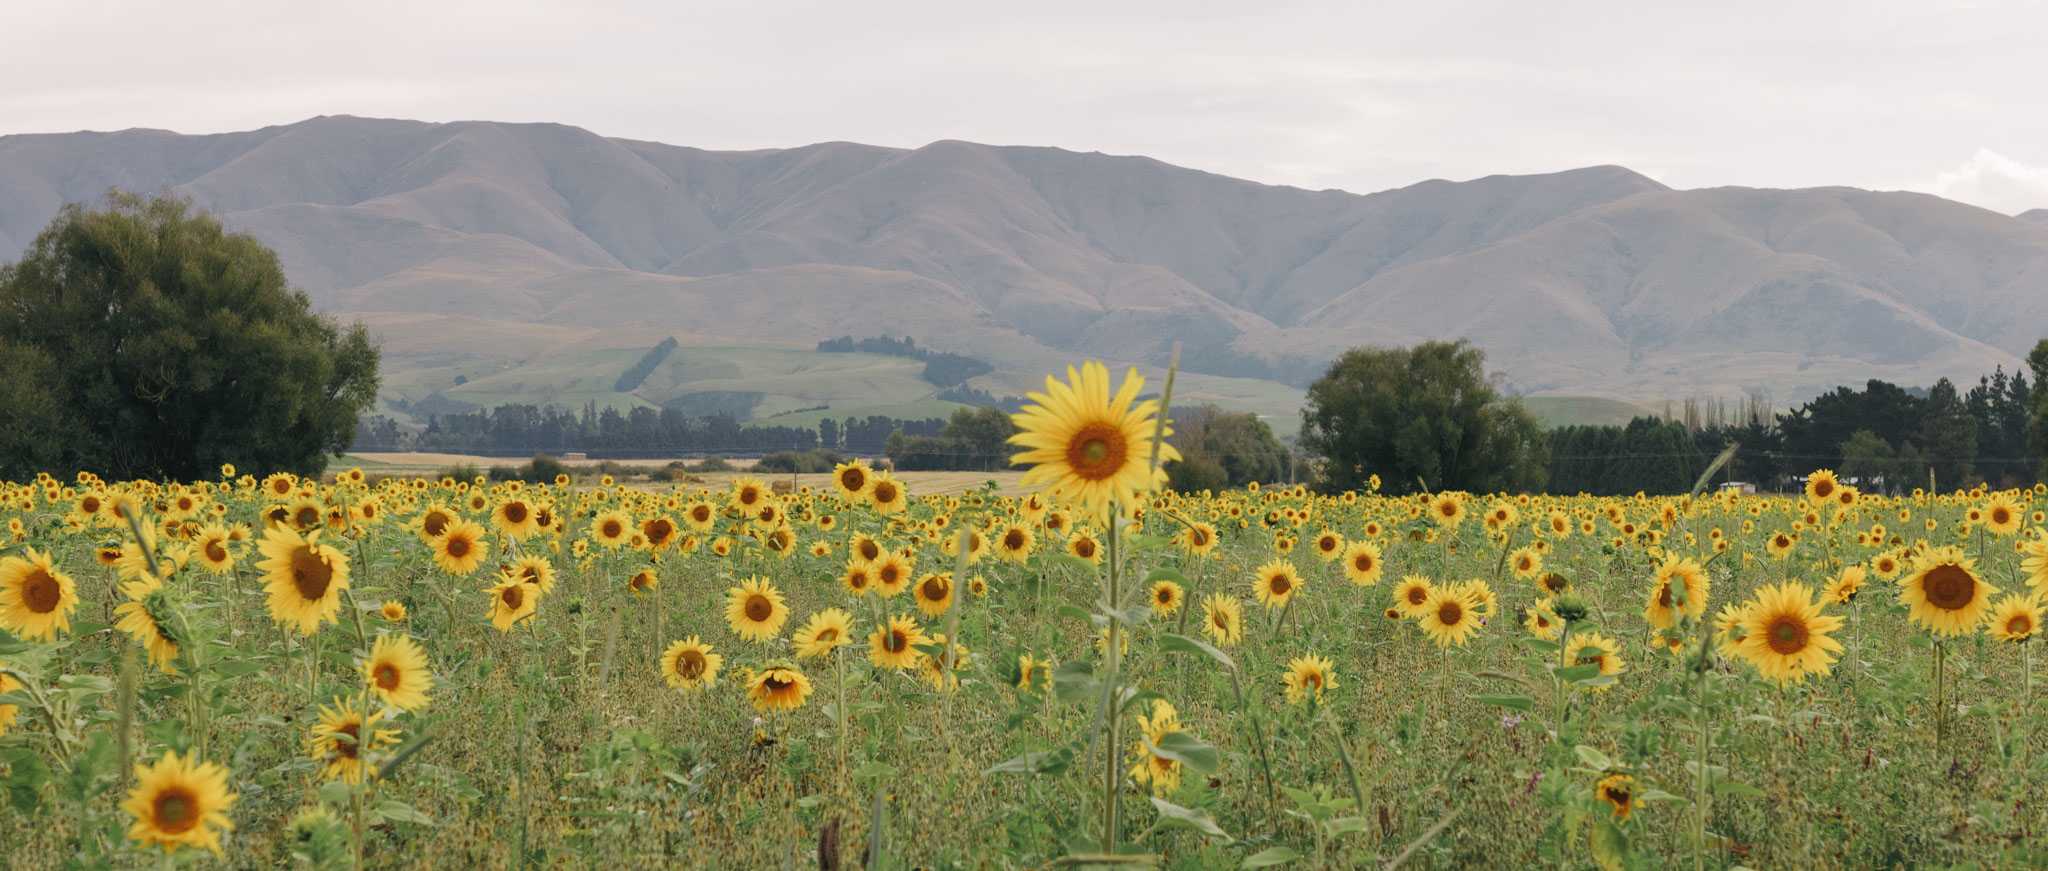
x: 270, y: 671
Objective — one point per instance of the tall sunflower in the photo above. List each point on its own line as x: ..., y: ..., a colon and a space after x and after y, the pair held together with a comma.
x: 1086, y: 447
x: 891, y: 573
x: 1276, y: 583
x: 460, y: 548
x: 1411, y: 596
x: 852, y: 479
x: 137, y: 618
x: 1449, y: 617
x: 304, y: 578
x: 36, y: 598
x: 755, y: 610
x: 2003, y: 515
x: 1821, y: 486
x: 1362, y: 563
x: 396, y: 670
x: 178, y: 801
x: 343, y: 739
x: 689, y: 664
x: 1786, y: 636
x: 887, y: 494
x: 515, y: 518
x: 1944, y: 593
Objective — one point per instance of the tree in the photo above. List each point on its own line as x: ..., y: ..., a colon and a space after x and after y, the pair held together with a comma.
x: 1948, y: 436
x: 154, y: 344
x: 1422, y: 416
x: 1870, y: 461
x: 1221, y: 449
x: 2037, y: 422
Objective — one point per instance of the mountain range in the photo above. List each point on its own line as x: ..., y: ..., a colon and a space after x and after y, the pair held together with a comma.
x: 481, y: 250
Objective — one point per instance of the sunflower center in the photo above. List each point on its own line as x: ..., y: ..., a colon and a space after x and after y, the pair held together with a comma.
x: 932, y: 589
x: 1823, y: 487
x: 690, y: 664
x: 176, y: 810
x: 386, y: 676
x: 1097, y: 452
x: 885, y: 492
x: 347, y: 749
x: 458, y: 547
x: 659, y: 530
x: 1664, y: 595
x: 1950, y: 587
x: 1014, y: 539
x: 776, y: 683
x: 1450, y: 613
x: 2000, y: 516
x: 1363, y: 563
x: 896, y: 641
x: 700, y: 514
x: 215, y: 552
x: 310, y: 574
x: 1165, y: 596
x: 40, y: 591
x: 1084, y: 549
x: 853, y: 479
x: 1786, y: 635
x: 612, y: 529
x: 435, y: 524
x: 513, y: 597
x: 890, y: 573
x: 1279, y: 584
x: 827, y: 635
x: 306, y: 517
x: 1416, y: 595
x: 515, y: 512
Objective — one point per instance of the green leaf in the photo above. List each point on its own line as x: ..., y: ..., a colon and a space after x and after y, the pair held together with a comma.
x: 1593, y: 757
x: 1578, y: 672
x: 1609, y: 845
x: 1172, y: 643
x: 1519, y: 703
x: 1164, y: 573
x: 1270, y: 857
x: 1187, y: 750
x: 1075, y: 682
x: 1174, y: 816
x: 393, y: 809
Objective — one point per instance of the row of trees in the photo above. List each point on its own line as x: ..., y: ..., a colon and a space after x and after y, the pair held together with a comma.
x: 940, y: 368
x: 520, y: 429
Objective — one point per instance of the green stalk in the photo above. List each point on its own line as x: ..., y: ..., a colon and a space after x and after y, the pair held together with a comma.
x: 1111, y: 772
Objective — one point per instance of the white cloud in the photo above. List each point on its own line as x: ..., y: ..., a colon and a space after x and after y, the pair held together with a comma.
x: 1994, y: 181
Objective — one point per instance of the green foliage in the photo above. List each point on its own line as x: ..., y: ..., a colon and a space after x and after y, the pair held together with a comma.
x: 2037, y: 423
x: 151, y: 343
x: 1419, y: 416
x: 975, y: 439
x: 1648, y: 455
x: 803, y: 462
x: 1221, y: 449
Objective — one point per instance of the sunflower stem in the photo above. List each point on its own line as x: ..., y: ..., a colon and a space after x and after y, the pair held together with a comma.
x: 1111, y: 716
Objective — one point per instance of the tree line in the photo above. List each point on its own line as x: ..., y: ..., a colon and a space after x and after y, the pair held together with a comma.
x: 518, y: 429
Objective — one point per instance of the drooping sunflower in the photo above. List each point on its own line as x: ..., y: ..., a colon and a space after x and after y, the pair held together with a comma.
x: 2015, y: 618
x: 1618, y: 792
x: 304, y: 578
x: 512, y: 600
x: 1667, y: 602
x: 823, y: 633
x: 1786, y: 636
x: 755, y: 610
x: 36, y: 598
x: 1088, y: 448
x: 1275, y: 583
x: 179, y: 801
x: 778, y: 688
x: 1362, y: 563
x: 689, y: 664
x: 137, y: 618
x: 894, y: 644
x: 1944, y: 593
x: 1449, y: 617
x: 396, y: 670
x: 1165, y: 597
x: 1307, y: 677
x: 1222, y: 619
x: 343, y: 739
x: 1411, y: 596
x: 460, y: 548
x: 1593, y: 648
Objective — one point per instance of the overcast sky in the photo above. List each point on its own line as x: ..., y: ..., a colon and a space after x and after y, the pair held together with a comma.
x: 1943, y: 97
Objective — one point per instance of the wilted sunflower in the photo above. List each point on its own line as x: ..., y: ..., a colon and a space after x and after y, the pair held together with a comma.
x: 1275, y: 583
x: 894, y: 644
x: 1411, y: 596
x: 689, y: 664
x: 1222, y: 619
x: 1165, y: 597
x: 343, y: 739
x: 2016, y: 618
x: 1618, y: 792
x: 512, y: 601
x: 1944, y: 593
x: 1088, y: 448
x: 755, y: 610
x: 778, y: 688
x: 1666, y: 603
x: 1362, y: 563
x: 36, y: 598
x: 1157, y: 772
x: 1786, y: 636
x: 1449, y: 617
x: 396, y: 670
x: 179, y: 801
x: 304, y: 578
x: 460, y: 548
x: 1593, y: 648
x: 823, y: 633
x: 1307, y: 677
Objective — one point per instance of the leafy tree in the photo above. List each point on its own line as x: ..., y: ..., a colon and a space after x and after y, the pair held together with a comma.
x: 1422, y: 414
x: 158, y: 345
x: 1948, y: 436
x: 982, y: 435
x: 1221, y: 449
x: 1870, y: 461
x: 2037, y: 425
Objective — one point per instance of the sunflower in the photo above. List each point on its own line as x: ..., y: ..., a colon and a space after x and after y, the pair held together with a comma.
x: 858, y: 578
x: 1088, y: 448
x: 2002, y: 515
x: 644, y: 580
x: 1786, y: 636
x: 2035, y: 564
x: 1329, y: 545
x: 137, y: 617
x: 1728, y: 628
x: 934, y: 665
x: 1780, y: 545
x: 179, y: 801
x: 396, y: 670
x: 894, y: 645
x: 1542, y: 621
x: 1166, y: 597
x: 887, y: 494
x: 36, y: 599
x: 1159, y: 773
x: 689, y: 664
x: 1031, y: 673
x: 1411, y: 596
x: 1667, y: 602
x: 853, y: 479
x: 778, y: 688
x: 434, y: 521
x: 8, y: 713
x: 1307, y: 677
x: 537, y: 571
x: 1016, y: 543
x: 611, y: 528
x: 1198, y: 539
x: 1821, y: 486
x: 1944, y: 593
x: 1846, y: 585
x: 700, y: 516
x: 755, y: 610
x: 659, y: 532
x: 1484, y: 602
x: 304, y: 578
x: 1554, y: 584
x: 512, y: 601
x: 1447, y: 509
x: 1082, y: 544
x: 1362, y: 563
x: 342, y: 740
x: 211, y: 547
x: 2016, y: 618
x: 1276, y: 583
x: 934, y: 593
x: 393, y: 611
x: 1449, y: 617
x: 891, y: 573
x: 460, y: 548
x: 1593, y: 648
x: 1223, y: 619
x: 823, y: 633
x: 1618, y: 792
x: 864, y: 547
x: 515, y: 518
